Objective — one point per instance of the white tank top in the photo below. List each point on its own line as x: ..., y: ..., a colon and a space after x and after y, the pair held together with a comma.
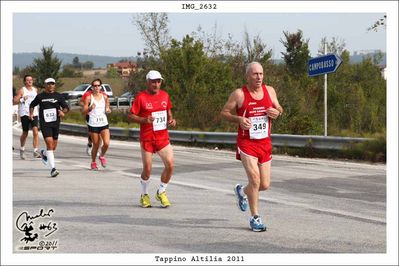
x: 24, y: 107
x: 97, y: 116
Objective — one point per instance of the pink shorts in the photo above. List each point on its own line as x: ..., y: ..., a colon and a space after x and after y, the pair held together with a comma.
x: 155, y: 145
x: 260, y: 150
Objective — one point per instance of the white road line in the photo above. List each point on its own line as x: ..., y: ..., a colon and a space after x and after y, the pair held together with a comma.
x: 284, y: 202
x: 289, y: 203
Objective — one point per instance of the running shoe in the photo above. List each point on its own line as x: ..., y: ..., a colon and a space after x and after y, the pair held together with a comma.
x: 163, y: 199
x: 44, y: 157
x: 54, y: 172
x: 103, y: 161
x: 36, y: 154
x: 93, y: 166
x: 88, y: 149
x: 241, y: 201
x: 145, y: 201
x: 256, y: 224
x: 22, y: 154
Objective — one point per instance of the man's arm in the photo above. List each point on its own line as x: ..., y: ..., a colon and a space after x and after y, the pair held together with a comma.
x: 236, y: 98
x: 18, y: 97
x: 136, y: 118
x: 277, y: 109
x: 139, y: 119
x: 171, y: 120
x: 64, y: 105
x: 32, y: 105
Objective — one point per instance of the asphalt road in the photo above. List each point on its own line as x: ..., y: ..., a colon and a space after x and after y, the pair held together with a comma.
x: 313, y: 205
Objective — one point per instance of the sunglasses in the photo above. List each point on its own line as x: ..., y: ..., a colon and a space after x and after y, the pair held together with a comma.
x: 96, y: 85
x: 50, y: 83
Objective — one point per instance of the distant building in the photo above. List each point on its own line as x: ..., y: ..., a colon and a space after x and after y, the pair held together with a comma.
x: 123, y: 68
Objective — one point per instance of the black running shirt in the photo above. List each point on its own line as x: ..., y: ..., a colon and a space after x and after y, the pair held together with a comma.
x: 49, y: 104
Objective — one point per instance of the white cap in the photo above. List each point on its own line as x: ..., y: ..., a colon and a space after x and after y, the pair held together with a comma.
x: 153, y: 74
x: 49, y: 80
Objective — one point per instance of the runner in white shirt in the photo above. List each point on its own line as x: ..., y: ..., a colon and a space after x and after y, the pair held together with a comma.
x: 97, y: 106
x: 23, y: 98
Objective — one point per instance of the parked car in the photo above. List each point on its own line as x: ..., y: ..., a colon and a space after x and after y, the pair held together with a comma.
x: 77, y: 92
x: 125, y: 99
x: 128, y: 95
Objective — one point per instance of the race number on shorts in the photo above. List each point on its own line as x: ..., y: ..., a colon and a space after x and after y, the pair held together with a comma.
x: 50, y: 115
x: 260, y: 127
x: 159, y: 120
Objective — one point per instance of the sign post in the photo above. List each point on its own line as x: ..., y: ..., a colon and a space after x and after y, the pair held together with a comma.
x: 325, y: 64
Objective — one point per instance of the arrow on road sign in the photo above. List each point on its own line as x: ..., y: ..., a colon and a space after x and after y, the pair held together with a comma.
x: 323, y: 64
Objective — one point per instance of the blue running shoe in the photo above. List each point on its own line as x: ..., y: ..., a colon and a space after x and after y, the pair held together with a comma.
x: 242, y: 201
x: 44, y: 157
x: 256, y: 224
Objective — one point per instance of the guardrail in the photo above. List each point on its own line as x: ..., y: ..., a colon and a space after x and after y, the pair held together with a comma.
x: 279, y: 140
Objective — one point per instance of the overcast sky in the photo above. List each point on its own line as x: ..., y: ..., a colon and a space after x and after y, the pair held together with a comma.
x: 113, y: 34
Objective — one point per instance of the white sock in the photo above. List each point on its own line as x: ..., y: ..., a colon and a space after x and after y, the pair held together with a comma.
x: 22, y: 148
x: 50, y: 159
x: 144, y: 186
x: 162, y: 187
x: 35, y: 149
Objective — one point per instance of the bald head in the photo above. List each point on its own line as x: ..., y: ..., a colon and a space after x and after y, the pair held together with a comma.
x: 254, y: 75
x: 252, y: 65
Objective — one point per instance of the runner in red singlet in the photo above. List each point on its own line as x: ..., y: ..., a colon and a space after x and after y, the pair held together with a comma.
x: 152, y: 110
x: 255, y: 107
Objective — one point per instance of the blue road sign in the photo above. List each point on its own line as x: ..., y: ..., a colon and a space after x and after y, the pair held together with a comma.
x: 323, y: 64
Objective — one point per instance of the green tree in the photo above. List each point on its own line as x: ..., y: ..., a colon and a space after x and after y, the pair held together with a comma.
x: 195, y: 82
x: 357, y: 98
x: 112, y: 73
x: 88, y: 65
x: 68, y: 71
x: 76, y: 63
x: 47, y: 66
x: 297, y: 52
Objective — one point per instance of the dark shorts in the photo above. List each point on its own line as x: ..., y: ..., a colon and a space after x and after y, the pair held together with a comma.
x: 29, y: 124
x: 154, y: 146
x: 260, y: 150
x: 97, y: 129
x: 50, y: 131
